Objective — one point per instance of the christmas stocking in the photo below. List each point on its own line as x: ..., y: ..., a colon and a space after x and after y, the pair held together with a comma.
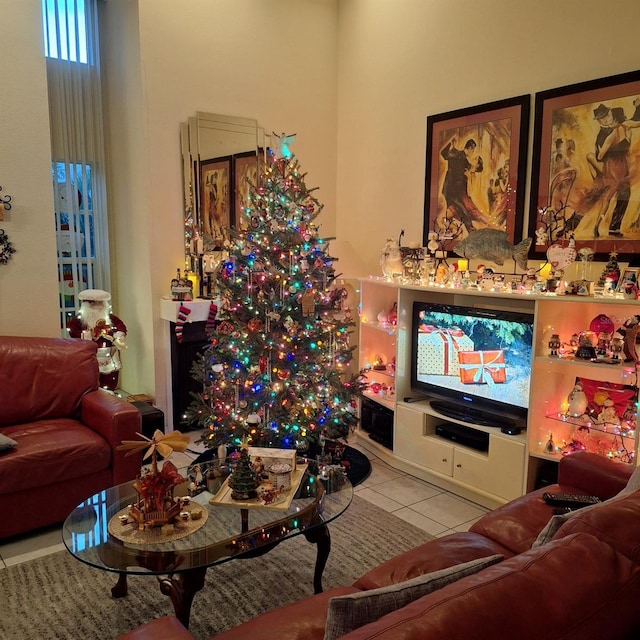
x: 183, y: 314
x: 211, y: 320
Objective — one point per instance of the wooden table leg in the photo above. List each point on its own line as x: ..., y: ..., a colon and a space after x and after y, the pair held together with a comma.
x: 119, y: 589
x: 181, y: 588
x: 321, y: 537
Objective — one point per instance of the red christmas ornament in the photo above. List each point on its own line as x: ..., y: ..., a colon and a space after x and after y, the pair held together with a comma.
x: 262, y: 362
x: 255, y: 324
x: 225, y: 327
x: 283, y: 374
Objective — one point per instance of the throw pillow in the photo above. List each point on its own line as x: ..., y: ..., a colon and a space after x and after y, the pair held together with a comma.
x: 6, y: 442
x: 347, y: 613
x: 551, y: 528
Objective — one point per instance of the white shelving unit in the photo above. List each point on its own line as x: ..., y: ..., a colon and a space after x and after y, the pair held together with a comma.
x: 511, y: 464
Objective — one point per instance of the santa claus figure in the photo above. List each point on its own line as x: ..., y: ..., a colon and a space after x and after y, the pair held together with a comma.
x: 95, y: 322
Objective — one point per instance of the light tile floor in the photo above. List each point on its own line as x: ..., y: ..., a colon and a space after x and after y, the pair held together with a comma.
x: 424, y: 505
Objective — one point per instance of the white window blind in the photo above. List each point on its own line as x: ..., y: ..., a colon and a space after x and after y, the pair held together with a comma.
x: 77, y: 148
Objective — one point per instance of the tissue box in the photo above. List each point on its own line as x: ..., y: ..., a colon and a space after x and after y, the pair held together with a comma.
x: 273, y: 456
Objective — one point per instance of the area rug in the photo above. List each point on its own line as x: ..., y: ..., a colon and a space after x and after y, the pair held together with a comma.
x: 59, y: 598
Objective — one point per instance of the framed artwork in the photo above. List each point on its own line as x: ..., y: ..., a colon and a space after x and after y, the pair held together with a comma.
x: 475, y: 170
x: 628, y: 283
x: 585, y: 181
x: 245, y: 174
x: 215, y: 200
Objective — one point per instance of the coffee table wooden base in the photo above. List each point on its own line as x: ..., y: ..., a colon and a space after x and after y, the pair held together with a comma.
x: 182, y: 587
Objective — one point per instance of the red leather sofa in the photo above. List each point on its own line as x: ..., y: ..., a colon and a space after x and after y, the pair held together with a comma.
x: 583, y: 584
x: 65, y: 428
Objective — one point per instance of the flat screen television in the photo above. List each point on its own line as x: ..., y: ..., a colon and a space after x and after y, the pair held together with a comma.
x: 474, y: 364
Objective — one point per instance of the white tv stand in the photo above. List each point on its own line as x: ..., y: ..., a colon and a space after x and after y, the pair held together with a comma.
x: 510, y: 466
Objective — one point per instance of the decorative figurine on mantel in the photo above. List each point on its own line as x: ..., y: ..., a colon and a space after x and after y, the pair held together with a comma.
x: 391, y: 260
x: 156, y: 506
x: 96, y: 322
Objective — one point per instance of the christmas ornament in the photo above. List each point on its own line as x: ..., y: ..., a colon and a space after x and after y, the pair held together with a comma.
x: 225, y: 327
x: 308, y: 304
x: 560, y: 257
x: 255, y: 324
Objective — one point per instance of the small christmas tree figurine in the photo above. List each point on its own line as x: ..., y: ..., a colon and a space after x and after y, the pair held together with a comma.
x: 279, y: 347
x: 244, y: 480
x: 610, y: 274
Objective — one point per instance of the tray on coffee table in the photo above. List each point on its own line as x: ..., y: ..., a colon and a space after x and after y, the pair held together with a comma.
x: 281, y: 503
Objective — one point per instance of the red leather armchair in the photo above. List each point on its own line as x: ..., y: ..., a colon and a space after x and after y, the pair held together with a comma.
x: 65, y: 427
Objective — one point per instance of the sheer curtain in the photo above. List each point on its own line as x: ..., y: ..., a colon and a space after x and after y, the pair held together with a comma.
x: 77, y: 148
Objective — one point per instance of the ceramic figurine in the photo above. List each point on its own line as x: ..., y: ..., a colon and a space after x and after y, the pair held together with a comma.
x: 577, y: 401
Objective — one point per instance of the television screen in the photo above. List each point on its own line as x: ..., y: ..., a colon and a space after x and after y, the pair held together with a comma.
x: 478, y: 359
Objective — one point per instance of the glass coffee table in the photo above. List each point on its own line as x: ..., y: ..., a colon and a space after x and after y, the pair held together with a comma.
x: 92, y: 534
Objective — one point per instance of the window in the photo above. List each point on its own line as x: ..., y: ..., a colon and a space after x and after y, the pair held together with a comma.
x: 77, y: 148
x: 65, y: 33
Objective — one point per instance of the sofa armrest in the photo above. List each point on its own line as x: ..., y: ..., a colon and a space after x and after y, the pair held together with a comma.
x: 115, y: 420
x: 593, y: 474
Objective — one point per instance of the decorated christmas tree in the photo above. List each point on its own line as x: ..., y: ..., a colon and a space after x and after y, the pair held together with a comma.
x: 275, y: 369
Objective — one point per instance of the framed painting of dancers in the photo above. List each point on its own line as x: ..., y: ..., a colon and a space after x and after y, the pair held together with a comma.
x: 585, y: 182
x: 475, y: 170
x: 215, y: 201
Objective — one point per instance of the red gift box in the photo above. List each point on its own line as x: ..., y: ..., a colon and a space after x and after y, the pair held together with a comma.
x: 482, y: 367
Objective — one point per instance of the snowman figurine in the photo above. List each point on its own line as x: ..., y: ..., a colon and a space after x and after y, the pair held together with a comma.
x: 577, y: 401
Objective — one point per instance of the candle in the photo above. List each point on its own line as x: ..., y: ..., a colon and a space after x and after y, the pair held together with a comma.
x: 545, y: 271
x: 463, y: 265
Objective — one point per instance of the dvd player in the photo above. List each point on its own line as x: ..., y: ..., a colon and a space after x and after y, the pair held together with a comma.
x: 467, y: 436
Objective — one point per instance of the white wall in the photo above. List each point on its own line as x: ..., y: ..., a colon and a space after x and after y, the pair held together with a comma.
x: 272, y: 60
x: 28, y: 282
x: 403, y: 60
x: 355, y: 79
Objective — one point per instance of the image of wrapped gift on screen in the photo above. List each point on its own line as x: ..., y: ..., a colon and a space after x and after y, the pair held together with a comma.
x: 472, y: 356
x: 483, y: 367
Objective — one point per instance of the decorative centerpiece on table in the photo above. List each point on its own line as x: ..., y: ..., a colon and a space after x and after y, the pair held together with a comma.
x: 155, y: 505
x: 244, y: 480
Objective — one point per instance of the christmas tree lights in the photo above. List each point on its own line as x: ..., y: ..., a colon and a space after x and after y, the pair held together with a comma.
x: 275, y: 370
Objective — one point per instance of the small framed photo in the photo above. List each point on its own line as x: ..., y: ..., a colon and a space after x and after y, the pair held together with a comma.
x: 584, y: 182
x: 475, y: 170
x: 215, y: 200
x: 628, y: 283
